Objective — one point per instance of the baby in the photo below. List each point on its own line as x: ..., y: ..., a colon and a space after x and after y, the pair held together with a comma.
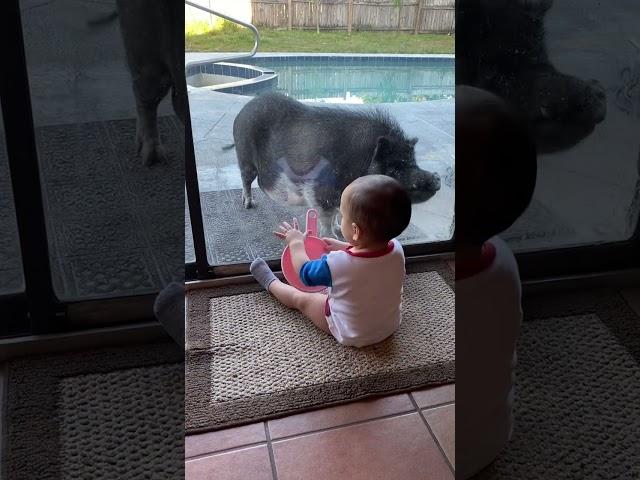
x: 364, y: 277
x: 495, y: 177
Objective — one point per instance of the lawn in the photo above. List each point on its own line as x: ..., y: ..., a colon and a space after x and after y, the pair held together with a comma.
x: 232, y: 40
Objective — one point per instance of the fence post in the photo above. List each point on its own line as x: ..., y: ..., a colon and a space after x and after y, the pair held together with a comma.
x: 349, y: 16
x: 318, y: 16
x: 418, y: 11
x: 289, y: 14
x: 399, y: 15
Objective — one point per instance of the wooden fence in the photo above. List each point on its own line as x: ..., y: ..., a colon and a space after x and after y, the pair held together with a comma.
x: 418, y: 16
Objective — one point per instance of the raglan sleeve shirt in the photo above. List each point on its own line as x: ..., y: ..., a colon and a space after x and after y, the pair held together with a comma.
x: 316, y: 273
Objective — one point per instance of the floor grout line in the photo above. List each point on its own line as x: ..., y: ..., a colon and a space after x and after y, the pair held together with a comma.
x: 214, y: 126
x: 435, y: 405
x: 435, y: 438
x: 225, y: 450
x: 415, y: 409
x: 296, y: 435
x: 435, y: 127
x: 350, y: 424
x: 272, y: 460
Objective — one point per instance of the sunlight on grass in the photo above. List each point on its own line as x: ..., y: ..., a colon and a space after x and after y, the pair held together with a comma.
x: 197, y: 28
x: 202, y: 28
x: 228, y: 37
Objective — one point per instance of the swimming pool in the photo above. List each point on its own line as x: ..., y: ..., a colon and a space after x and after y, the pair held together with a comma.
x: 363, y: 79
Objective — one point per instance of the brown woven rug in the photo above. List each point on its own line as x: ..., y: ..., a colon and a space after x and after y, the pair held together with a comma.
x: 250, y: 358
x: 112, y: 413
x: 577, y: 403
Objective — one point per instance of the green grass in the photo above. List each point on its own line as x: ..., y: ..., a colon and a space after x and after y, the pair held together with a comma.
x: 226, y: 38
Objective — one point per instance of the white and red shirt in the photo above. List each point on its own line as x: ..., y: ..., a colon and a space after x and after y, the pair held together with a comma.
x: 488, y: 320
x: 364, y: 292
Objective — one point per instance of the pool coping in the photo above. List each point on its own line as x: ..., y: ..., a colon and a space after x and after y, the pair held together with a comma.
x: 254, y: 83
x: 192, y: 58
x: 253, y: 78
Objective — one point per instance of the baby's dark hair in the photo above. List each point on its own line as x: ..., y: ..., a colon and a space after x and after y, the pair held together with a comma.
x: 496, y: 164
x: 380, y: 206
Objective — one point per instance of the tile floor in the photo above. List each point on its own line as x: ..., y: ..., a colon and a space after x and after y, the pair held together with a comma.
x: 404, y: 436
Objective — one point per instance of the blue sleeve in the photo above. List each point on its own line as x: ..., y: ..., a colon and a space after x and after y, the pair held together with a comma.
x: 315, y: 273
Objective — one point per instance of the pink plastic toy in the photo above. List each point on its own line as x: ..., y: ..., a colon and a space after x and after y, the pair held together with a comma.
x: 314, y: 247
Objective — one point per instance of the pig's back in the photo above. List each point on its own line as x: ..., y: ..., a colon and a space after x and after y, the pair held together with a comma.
x: 287, y: 119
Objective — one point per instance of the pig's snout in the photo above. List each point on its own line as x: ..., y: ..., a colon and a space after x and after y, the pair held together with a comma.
x: 422, y: 185
x: 435, y: 182
x: 426, y: 182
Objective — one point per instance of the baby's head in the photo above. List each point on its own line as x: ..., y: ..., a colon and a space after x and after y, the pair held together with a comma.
x: 374, y: 209
x: 495, y: 166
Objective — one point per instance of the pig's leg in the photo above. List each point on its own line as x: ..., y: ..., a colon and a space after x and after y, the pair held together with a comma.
x: 175, y: 59
x: 248, y: 174
x: 149, y: 87
x: 335, y: 230
x: 327, y: 224
x: 324, y: 222
x: 179, y: 99
x: 328, y: 198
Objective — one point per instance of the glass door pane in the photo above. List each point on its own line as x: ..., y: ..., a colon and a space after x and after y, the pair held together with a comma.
x: 588, y: 189
x: 114, y: 224
x: 414, y: 90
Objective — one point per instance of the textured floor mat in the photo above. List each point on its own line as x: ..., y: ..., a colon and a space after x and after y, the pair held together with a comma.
x: 115, y: 413
x: 577, y: 405
x: 250, y: 358
x: 238, y: 235
x: 114, y: 227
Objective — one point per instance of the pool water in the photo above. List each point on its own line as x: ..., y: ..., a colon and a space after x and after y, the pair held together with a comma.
x: 363, y: 82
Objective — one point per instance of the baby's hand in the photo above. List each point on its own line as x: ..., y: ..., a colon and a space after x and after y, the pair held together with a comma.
x: 290, y: 233
x: 333, y: 244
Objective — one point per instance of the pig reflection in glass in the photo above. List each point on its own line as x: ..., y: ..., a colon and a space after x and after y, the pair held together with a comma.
x: 306, y: 155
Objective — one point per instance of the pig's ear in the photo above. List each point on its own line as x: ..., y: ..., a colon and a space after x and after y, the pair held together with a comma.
x: 381, y: 152
x: 384, y: 145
